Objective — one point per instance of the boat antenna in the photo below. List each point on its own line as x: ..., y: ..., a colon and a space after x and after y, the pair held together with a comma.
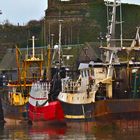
x: 33, y: 46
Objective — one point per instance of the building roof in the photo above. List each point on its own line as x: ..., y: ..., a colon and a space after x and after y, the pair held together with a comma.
x: 9, y: 61
x: 89, y: 52
x: 83, y: 66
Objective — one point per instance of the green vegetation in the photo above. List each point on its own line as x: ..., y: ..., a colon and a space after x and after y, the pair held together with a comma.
x: 11, y: 34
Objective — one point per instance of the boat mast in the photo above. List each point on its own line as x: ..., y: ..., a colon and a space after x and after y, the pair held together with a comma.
x: 111, y: 56
x: 33, y: 47
x: 18, y: 64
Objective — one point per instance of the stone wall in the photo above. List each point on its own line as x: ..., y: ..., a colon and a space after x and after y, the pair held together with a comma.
x: 72, y: 13
x: 54, y: 3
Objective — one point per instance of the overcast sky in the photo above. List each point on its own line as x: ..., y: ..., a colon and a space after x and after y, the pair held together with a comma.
x: 22, y: 11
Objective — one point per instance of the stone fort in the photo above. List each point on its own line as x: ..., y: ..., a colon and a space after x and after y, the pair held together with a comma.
x: 53, y: 3
x: 73, y: 13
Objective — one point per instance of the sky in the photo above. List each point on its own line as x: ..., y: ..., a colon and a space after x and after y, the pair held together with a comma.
x: 22, y: 11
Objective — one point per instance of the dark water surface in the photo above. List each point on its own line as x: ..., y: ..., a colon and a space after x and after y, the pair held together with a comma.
x: 118, y: 130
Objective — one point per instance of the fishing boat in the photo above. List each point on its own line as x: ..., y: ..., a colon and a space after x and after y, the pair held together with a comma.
x: 78, y: 96
x: 105, y: 88
x: 40, y: 108
x: 43, y: 107
x: 16, y: 97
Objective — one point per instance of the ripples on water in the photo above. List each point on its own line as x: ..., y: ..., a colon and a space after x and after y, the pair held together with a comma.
x: 119, y: 130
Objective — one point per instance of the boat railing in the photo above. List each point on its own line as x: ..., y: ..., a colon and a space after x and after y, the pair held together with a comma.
x: 36, y: 57
x: 69, y: 86
x: 44, y: 86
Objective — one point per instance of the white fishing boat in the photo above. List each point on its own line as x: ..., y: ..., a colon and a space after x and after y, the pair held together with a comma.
x: 103, y: 88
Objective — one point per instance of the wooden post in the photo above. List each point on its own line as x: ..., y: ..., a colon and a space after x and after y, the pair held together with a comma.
x: 1, y: 112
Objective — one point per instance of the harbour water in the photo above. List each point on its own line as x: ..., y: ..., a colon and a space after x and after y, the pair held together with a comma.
x: 118, y: 130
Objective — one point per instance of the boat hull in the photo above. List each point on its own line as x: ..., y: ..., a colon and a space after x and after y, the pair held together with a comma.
x: 104, y: 109
x: 16, y: 112
x: 117, y: 109
x: 78, y: 112
x: 52, y: 112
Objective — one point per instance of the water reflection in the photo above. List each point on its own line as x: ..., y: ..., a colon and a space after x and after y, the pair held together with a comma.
x: 47, y: 132
x: 1, y: 129
x: 22, y: 131
x: 118, y: 130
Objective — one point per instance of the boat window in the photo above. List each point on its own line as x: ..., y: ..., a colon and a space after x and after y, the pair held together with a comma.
x: 88, y: 72
x: 82, y: 73
x: 92, y: 72
x: 85, y: 73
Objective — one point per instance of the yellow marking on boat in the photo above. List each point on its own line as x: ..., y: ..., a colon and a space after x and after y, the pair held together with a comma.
x: 17, y: 99
x: 75, y: 116
x: 20, y: 85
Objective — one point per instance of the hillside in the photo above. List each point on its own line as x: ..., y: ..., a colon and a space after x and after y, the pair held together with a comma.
x: 11, y: 35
